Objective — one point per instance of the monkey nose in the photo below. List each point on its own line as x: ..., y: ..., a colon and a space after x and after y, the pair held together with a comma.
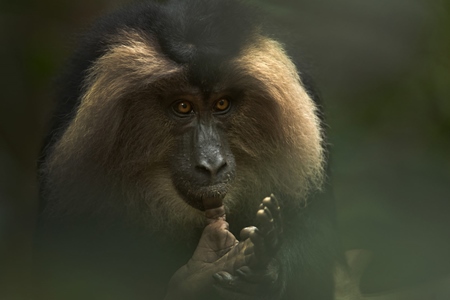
x: 212, y: 168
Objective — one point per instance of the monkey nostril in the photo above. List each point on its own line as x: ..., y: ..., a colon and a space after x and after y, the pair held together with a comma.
x: 203, y: 169
x: 221, y: 167
x: 212, y: 169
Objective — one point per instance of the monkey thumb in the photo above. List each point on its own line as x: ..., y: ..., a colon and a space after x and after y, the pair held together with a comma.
x: 214, y: 214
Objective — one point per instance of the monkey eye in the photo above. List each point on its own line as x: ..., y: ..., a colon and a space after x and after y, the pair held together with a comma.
x: 182, y: 107
x: 222, y: 105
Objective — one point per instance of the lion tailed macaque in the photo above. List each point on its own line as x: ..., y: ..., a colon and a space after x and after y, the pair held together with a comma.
x: 185, y: 160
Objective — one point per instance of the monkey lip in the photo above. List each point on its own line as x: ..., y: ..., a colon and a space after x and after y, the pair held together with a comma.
x: 206, y: 197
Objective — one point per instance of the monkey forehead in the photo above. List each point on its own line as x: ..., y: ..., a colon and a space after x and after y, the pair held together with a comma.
x: 135, y: 55
x: 134, y: 62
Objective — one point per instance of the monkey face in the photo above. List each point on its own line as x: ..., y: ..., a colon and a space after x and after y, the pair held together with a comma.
x: 203, y: 166
x: 147, y: 137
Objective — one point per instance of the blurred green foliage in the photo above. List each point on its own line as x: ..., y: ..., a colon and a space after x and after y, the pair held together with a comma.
x: 383, y: 71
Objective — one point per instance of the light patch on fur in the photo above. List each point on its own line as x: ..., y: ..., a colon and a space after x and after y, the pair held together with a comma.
x: 132, y: 63
x: 279, y: 126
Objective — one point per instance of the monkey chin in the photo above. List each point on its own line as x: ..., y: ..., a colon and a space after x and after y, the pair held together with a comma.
x: 206, y: 197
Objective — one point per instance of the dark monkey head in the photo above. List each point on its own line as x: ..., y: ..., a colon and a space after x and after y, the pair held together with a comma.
x: 166, y: 108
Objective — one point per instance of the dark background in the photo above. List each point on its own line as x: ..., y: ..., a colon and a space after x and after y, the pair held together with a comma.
x: 383, y: 70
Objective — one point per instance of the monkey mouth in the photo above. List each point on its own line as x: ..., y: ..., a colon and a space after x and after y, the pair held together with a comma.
x: 205, y: 197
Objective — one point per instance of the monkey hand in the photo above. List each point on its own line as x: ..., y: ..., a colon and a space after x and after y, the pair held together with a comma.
x: 234, y: 270
x: 195, y: 279
x: 258, y: 277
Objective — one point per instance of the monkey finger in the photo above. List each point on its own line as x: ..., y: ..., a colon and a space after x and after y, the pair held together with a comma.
x: 265, y: 276
x: 272, y: 242
x: 265, y: 221
x: 272, y: 204
x: 275, y: 209
x: 256, y: 237
x: 223, y: 277
x: 274, y: 234
x: 245, y: 232
x: 261, y: 254
x: 214, y: 214
x: 232, y: 287
x: 266, y: 245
